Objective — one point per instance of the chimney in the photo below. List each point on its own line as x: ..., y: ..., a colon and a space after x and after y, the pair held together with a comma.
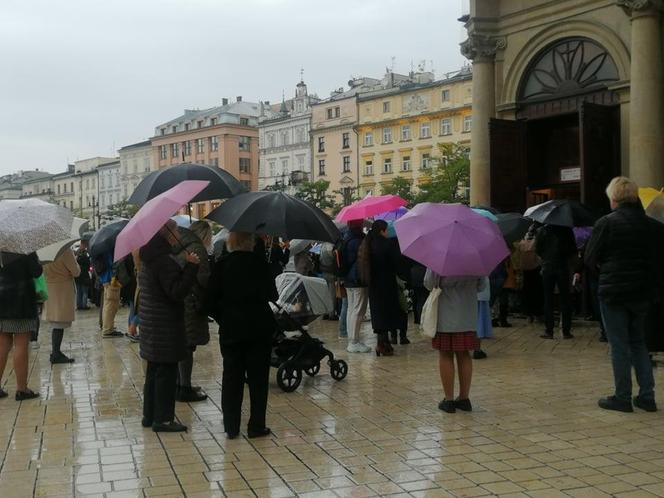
x: 239, y: 98
x: 224, y: 101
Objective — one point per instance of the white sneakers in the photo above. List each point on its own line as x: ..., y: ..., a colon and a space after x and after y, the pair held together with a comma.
x: 358, y: 347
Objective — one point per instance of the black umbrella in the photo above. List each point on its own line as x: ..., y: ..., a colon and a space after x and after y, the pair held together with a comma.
x: 222, y: 184
x: 103, y: 241
x: 277, y: 214
x: 561, y: 212
x: 513, y: 226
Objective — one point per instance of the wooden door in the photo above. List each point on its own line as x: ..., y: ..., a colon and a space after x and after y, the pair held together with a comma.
x: 508, y: 164
x: 600, y: 153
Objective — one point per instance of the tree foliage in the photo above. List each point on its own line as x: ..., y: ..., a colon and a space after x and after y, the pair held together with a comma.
x: 120, y: 209
x: 448, y: 179
x: 403, y: 187
x: 316, y: 193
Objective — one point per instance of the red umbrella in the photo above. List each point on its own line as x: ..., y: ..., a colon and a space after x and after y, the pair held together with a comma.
x: 371, y: 206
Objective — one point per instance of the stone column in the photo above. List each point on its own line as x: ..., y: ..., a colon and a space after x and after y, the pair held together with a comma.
x: 481, y: 50
x: 646, y: 148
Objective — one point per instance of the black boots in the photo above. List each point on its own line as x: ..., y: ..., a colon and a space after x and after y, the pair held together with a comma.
x: 58, y: 356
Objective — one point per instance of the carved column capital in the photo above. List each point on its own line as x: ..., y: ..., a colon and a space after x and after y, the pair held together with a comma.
x: 482, y: 48
x: 636, y: 8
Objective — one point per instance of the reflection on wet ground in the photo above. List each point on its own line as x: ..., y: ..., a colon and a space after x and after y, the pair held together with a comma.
x: 536, y: 430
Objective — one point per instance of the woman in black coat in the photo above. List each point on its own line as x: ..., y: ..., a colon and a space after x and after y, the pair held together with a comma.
x: 19, y: 316
x: 379, y: 262
x: 164, y: 286
x: 240, y: 289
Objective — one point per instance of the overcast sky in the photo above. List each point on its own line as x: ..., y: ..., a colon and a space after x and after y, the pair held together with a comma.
x: 81, y: 78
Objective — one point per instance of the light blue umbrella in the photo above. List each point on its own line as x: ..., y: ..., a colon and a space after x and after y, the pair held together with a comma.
x: 183, y: 220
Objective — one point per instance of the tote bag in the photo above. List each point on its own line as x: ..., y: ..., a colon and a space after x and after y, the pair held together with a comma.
x: 429, y: 319
x: 40, y: 289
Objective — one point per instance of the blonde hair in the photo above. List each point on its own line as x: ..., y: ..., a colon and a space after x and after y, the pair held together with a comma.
x: 240, y: 241
x: 622, y: 189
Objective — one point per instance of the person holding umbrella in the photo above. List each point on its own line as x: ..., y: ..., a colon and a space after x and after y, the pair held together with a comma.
x: 18, y: 317
x: 459, y: 247
x: 241, y: 288
x: 164, y: 286
x: 83, y: 280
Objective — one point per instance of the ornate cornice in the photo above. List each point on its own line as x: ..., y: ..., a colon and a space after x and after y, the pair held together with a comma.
x: 637, y: 8
x: 481, y: 48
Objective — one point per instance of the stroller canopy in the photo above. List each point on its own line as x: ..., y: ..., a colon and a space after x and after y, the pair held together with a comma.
x: 296, y: 290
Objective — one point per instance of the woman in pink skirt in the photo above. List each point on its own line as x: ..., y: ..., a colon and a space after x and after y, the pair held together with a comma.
x: 456, y: 336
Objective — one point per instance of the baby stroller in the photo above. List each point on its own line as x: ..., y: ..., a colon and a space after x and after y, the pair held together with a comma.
x: 301, y: 301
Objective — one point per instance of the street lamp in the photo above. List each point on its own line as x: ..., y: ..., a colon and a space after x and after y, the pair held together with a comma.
x: 95, y: 206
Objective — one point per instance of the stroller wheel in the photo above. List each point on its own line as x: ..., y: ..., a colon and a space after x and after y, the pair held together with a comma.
x: 288, y: 378
x: 311, y: 371
x: 338, y: 369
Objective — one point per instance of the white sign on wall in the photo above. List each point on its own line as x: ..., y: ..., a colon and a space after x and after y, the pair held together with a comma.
x: 570, y: 174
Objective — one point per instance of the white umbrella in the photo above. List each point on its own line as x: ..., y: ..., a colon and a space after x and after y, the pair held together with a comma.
x: 27, y: 225
x: 52, y: 252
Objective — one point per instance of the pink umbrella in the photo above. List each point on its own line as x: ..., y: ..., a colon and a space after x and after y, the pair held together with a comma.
x: 451, y: 239
x: 153, y: 215
x: 370, y: 206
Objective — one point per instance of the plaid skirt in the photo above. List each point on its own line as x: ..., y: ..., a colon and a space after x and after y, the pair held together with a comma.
x: 457, y: 341
x: 18, y: 325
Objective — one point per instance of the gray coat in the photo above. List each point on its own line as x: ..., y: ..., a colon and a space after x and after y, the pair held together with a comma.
x: 457, y: 304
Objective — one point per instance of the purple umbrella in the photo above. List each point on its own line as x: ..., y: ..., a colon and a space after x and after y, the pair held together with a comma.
x: 392, y: 215
x: 451, y: 239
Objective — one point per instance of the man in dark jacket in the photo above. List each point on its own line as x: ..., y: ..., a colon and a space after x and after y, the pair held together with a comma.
x: 622, y: 247
x: 357, y: 292
x: 555, y: 246
x: 164, y: 286
x: 83, y: 280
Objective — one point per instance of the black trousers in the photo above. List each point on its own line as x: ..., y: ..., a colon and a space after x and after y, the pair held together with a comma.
x: 561, y: 279
x: 159, y: 392
x: 420, y: 295
x: 250, y: 361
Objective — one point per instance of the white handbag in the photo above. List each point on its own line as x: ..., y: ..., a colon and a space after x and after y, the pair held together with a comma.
x: 429, y: 318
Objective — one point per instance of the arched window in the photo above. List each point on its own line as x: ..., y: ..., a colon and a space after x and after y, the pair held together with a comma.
x: 569, y: 66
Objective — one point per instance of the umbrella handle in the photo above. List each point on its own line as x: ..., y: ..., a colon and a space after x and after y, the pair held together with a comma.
x: 176, y: 238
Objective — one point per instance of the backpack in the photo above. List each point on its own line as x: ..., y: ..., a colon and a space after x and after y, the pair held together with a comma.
x: 528, y: 258
x: 124, y: 271
x: 99, y: 264
x: 341, y: 268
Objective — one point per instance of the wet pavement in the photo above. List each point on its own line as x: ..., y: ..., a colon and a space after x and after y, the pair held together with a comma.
x: 535, y: 431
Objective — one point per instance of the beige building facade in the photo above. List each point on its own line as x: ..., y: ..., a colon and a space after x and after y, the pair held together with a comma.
x: 566, y: 94
x: 399, y: 128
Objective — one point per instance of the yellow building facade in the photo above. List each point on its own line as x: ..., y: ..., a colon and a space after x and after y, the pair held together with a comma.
x: 399, y: 128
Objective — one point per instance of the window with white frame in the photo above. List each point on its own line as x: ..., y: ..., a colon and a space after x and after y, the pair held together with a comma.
x: 321, y: 144
x: 321, y: 167
x: 187, y: 148
x: 214, y: 144
x: 270, y: 139
x: 425, y: 130
x: 300, y: 163
x: 215, y: 162
x: 405, y: 132
x: 467, y: 124
x: 163, y: 152
x: 387, y: 135
x: 330, y: 113
x: 446, y: 126
x: 386, y: 106
x: 346, y: 164
x: 200, y: 144
x: 368, y: 167
x: 387, y: 165
x: 284, y: 138
x: 368, y: 138
x: 245, y: 165
x: 426, y: 159
x: 405, y: 163
x: 445, y: 96
x: 245, y: 144
x: 345, y: 140
x: 175, y: 150
x: 284, y: 167
x: 273, y: 168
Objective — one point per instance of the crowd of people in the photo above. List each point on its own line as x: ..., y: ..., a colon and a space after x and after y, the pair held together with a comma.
x: 176, y: 282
